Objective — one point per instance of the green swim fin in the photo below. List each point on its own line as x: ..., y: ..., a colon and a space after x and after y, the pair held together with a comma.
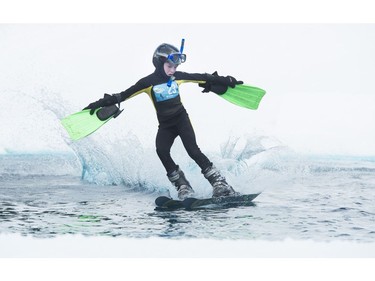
x: 244, y: 96
x: 82, y: 124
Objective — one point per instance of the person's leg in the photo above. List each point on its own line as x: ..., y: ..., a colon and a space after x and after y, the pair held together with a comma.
x: 213, y: 175
x: 187, y: 135
x: 164, y: 140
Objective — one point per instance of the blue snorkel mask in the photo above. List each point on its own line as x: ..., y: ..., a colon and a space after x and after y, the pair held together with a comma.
x: 176, y: 58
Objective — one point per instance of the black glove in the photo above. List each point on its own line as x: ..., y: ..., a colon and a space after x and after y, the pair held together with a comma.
x: 215, y: 88
x: 228, y: 81
x: 219, y: 84
x: 105, y: 101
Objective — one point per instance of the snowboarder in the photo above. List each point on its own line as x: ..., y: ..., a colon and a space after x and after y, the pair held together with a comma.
x: 163, y: 88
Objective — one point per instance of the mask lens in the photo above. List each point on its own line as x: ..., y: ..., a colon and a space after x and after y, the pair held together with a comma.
x: 177, y: 58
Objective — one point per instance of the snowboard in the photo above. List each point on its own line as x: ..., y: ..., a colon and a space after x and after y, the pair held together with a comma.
x: 166, y: 203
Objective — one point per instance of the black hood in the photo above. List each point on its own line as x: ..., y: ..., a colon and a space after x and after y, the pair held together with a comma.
x: 159, y: 70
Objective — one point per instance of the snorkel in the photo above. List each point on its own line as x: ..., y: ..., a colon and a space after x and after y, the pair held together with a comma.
x: 169, y: 83
x: 182, y: 45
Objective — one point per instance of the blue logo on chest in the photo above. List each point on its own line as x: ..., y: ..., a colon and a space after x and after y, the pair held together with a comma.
x: 162, y: 92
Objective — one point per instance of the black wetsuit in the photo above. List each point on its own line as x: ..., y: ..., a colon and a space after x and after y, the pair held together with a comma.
x: 172, y: 116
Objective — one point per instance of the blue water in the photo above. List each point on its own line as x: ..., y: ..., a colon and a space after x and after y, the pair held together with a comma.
x: 320, y: 198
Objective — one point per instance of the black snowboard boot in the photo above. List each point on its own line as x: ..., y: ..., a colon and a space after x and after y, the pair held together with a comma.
x: 218, y: 182
x: 183, y: 187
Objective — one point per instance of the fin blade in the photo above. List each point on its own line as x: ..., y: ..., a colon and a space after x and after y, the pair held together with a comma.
x: 245, y: 96
x: 81, y: 124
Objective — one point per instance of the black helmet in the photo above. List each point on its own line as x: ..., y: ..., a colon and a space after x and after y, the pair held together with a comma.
x: 167, y: 51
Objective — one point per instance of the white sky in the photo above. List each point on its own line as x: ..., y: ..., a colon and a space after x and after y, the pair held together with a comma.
x: 318, y: 77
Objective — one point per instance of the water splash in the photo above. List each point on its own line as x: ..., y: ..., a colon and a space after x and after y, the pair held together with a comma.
x: 116, y: 156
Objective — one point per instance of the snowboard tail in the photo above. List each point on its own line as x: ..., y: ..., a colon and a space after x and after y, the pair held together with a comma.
x: 166, y: 203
